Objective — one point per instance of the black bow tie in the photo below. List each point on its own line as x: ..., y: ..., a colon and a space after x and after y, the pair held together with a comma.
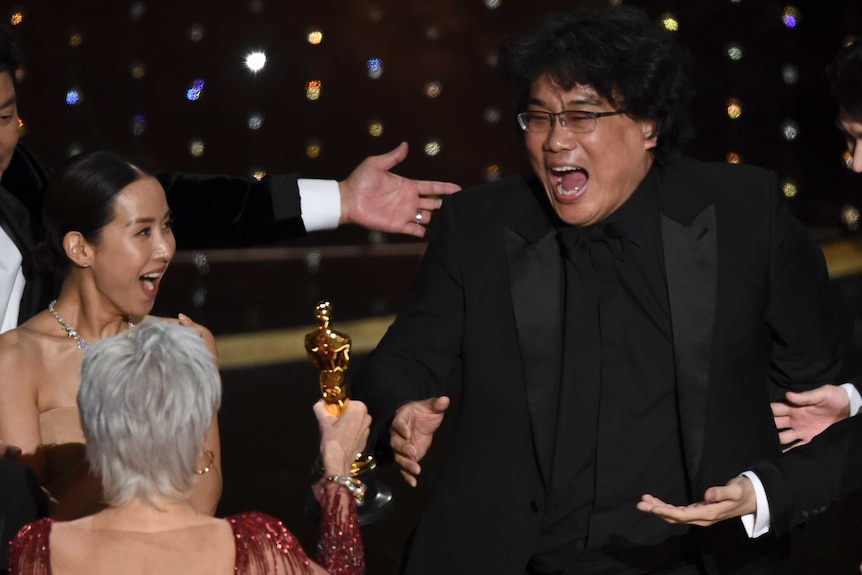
x: 609, y: 234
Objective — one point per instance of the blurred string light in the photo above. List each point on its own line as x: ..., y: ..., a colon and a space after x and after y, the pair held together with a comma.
x: 16, y: 17
x: 375, y: 68
x: 139, y: 124
x: 312, y: 90
x: 255, y: 121
x: 194, y: 93
x: 790, y: 74
x: 850, y: 217
x: 492, y: 4
x: 75, y: 38
x: 137, y: 10
x: 196, y: 32
x: 255, y: 61
x: 433, y: 147
x: 73, y: 97
x: 137, y: 69
x: 670, y: 23
x: 492, y: 115
x: 492, y: 173
x: 790, y: 189
x: 197, y: 147
x: 735, y: 52
x: 734, y: 108
x: 313, y: 149
x: 790, y: 130
x: 733, y: 158
x: 790, y: 16
x: 258, y: 173
x: 314, y: 37
x: 433, y: 89
x: 375, y: 128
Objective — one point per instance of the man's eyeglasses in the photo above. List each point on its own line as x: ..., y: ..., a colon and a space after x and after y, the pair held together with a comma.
x: 578, y: 121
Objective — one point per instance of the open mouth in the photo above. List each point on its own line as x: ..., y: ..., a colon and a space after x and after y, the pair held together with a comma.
x: 569, y: 181
x: 150, y: 283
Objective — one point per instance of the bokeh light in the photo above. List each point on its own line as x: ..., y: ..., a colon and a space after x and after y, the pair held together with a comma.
x: 139, y: 124
x: 790, y: 189
x: 432, y: 147
x: 313, y: 149
x: 790, y: 16
x: 314, y: 37
x: 73, y: 97
x: 137, y: 69
x: 375, y: 128
x: 196, y: 32
x: 733, y: 158
x: 255, y: 121
x: 735, y: 52
x: 670, y: 23
x: 492, y: 173
x: 255, y: 61
x: 492, y: 115
x: 16, y: 17
x: 196, y: 147
x: 258, y: 173
x: 312, y: 90
x: 734, y: 108
x: 850, y: 217
x: 790, y: 130
x: 433, y: 89
x: 375, y: 68
x: 790, y: 74
x: 137, y: 10
x: 75, y: 39
x: 492, y: 4
x: 194, y: 93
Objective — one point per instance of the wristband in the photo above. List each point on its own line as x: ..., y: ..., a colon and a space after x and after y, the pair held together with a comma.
x: 353, y: 485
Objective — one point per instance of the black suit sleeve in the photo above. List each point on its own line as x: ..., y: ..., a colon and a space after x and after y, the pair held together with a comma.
x: 228, y: 212
x: 803, y: 482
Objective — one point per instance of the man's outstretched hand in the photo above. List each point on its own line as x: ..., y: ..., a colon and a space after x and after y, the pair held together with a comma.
x: 377, y: 199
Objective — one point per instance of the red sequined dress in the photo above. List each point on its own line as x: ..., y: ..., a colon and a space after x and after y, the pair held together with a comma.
x: 263, y: 544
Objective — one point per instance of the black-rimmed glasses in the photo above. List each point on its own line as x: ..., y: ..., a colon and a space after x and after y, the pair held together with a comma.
x: 578, y: 121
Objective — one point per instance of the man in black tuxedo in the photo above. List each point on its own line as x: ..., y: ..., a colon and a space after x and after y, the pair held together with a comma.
x: 616, y: 323
x: 209, y: 211
x: 784, y: 491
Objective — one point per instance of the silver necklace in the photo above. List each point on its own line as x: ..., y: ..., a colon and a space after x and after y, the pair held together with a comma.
x: 72, y: 332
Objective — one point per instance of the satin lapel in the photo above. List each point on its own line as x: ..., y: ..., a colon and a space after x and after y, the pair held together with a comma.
x: 535, y: 279
x: 15, y: 221
x: 691, y: 262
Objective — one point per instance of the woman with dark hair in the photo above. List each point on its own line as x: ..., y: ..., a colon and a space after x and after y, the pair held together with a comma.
x: 109, y: 236
x: 144, y: 437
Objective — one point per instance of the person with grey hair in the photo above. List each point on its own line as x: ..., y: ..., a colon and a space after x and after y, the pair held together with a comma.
x: 146, y: 402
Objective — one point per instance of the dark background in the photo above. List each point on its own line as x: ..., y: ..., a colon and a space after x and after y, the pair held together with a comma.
x: 268, y: 431
x: 452, y: 42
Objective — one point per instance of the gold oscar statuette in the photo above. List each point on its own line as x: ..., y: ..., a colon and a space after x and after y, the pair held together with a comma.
x: 329, y: 351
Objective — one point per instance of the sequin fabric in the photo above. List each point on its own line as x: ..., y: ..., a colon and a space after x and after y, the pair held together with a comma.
x: 263, y: 544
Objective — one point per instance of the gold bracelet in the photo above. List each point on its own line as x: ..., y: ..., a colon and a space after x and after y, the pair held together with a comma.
x: 353, y: 485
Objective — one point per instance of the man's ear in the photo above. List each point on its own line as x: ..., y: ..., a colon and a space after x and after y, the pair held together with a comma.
x: 78, y: 249
x: 650, y: 132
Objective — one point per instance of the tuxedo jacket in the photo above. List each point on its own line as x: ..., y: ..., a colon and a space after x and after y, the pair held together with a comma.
x: 805, y: 481
x: 209, y: 212
x: 747, y: 289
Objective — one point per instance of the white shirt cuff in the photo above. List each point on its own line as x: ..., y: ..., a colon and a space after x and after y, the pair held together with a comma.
x: 855, y: 398
x: 320, y: 202
x: 757, y: 523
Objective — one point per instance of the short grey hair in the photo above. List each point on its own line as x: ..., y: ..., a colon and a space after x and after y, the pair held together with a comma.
x: 147, y: 400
